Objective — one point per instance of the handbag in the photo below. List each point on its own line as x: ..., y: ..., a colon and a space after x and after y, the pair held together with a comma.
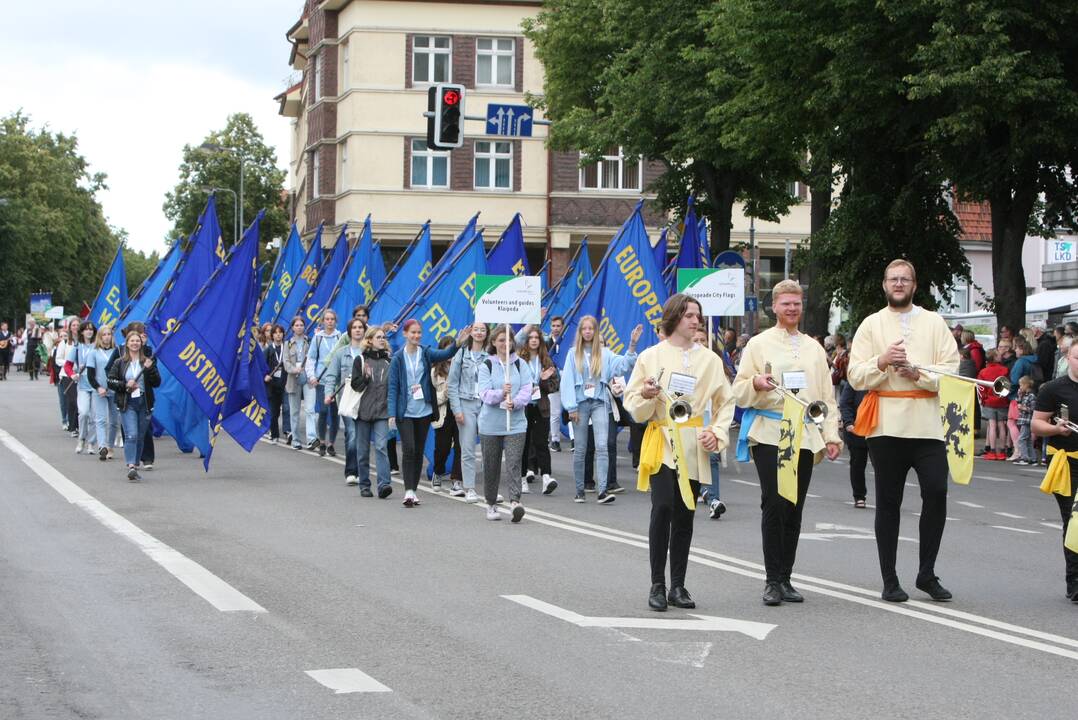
x: 348, y: 401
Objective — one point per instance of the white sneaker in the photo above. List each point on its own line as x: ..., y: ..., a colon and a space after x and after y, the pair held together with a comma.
x: 518, y: 511
x: 351, y: 480
x: 530, y: 476
x: 78, y: 448
x: 410, y: 499
x: 456, y: 490
x: 524, y: 490
x: 500, y: 498
x: 471, y: 496
x: 492, y: 513
x: 549, y: 484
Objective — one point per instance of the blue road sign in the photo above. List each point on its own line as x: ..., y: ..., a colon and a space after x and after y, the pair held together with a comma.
x: 509, y: 120
x: 751, y: 304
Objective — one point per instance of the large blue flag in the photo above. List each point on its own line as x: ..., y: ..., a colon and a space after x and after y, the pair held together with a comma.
x: 507, y: 257
x: 544, y: 281
x: 246, y: 413
x: 203, y: 352
x: 570, y: 286
x: 628, y: 290
x: 329, y: 278
x: 355, y: 287
x: 408, y: 274
x: 661, y: 249
x: 444, y: 265
x: 705, y: 246
x: 112, y: 297
x: 689, y: 255
x: 288, y: 267
x: 138, y: 310
x: 303, y: 282
x: 376, y: 273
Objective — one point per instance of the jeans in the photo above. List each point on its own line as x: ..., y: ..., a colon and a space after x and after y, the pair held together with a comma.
x: 594, y: 410
x: 712, y: 491
x: 328, y: 419
x: 555, y: 416
x: 466, y: 436
x: 310, y: 397
x: 1025, y: 443
x: 286, y: 414
x: 135, y: 421
x: 83, y: 402
x: 365, y: 432
x: 60, y: 384
x: 297, y: 411
x: 106, y: 420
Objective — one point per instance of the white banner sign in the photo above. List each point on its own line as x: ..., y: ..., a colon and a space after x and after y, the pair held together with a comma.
x: 508, y: 299
x: 721, y: 291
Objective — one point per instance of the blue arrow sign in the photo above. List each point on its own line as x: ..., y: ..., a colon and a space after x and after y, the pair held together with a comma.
x: 509, y: 120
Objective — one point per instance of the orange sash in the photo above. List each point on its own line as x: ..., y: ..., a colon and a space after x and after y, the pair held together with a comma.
x: 868, y: 414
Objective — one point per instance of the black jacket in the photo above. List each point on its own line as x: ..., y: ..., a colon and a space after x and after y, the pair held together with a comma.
x: 275, y: 383
x: 1046, y: 354
x: 374, y: 405
x: 848, y: 403
x: 117, y: 374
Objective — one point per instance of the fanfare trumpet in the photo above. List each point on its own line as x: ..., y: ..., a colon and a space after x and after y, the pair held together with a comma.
x: 1064, y: 419
x: 680, y: 408
x: 816, y: 410
x: 1001, y: 386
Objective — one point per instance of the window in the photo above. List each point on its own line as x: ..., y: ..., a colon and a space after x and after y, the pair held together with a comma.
x: 316, y: 174
x: 345, y: 80
x: 342, y: 172
x: 430, y: 168
x: 959, y: 297
x: 493, y: 165
x: 796, y: 189
x: 316, y: 71
x: 494, y: 60
x: 613, y: 172
x: 430, y: 59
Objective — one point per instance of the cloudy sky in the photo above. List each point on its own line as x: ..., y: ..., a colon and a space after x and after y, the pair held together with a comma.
x: 137, y: 80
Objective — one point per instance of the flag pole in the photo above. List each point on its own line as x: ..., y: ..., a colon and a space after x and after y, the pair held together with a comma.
x: 508, y: 412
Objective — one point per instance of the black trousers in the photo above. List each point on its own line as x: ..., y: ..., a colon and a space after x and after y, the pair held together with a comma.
x: 391, y: 450
x: 1065, y: 506
x: 275, y: 396
x: 413, y: 432
x: 858, y: 463
x: 536, y: 442
x: 670, y: 530
x: 33, y: 362
x: 892, y: 459
x: 780, y: 520
x: 446, y: 439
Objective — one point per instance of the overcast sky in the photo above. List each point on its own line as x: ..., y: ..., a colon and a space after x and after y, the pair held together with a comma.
x: 137, y: 80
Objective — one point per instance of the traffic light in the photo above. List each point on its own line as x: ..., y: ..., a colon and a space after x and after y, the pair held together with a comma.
x: 445, y: 107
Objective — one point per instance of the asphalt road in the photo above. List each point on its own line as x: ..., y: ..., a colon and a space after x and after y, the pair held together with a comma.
x: 118, y: 600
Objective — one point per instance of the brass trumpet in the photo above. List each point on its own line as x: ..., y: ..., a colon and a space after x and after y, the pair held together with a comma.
x: 1001, y: 386
x: 680, y: 409
x: 815, y: 411
x: 1064, y: 419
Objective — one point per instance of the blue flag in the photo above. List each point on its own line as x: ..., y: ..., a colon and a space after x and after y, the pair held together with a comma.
x: 661, y: 249
x: 570, y: 286
x: 112, y: 297
x: 303, y: 282
x: 507, y: 257
x: 705, y: 247
x: 376, y: 273
x: 288, y: 267
x: 689, y: 255
x: 627, y: 291
x: 203, y: 352
x: 413, y: 268
x: 246, y: 411
x: 138, y: 310
x: 329, y: 278
x: 544, y: 281
x: 355, y: 286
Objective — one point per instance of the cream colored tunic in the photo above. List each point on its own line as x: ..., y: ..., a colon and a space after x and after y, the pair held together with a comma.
x: 928, y: 343
x: 786, y: 352
x: 712, y: 393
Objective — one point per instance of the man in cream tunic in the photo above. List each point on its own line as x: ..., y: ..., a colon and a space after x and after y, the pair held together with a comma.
x: 677, y: 364
x: 900, y: 417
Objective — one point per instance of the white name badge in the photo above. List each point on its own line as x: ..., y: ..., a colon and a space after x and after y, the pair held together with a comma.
x: 589, y: 390
x: 682, y: 384
x: 417, y: 392
x: 795, y: 380
x: 535, y: 392
x: 136, y: 393
x: 277, y: 373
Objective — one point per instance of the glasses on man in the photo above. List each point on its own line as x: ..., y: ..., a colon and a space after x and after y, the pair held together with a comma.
x: 900, y: 281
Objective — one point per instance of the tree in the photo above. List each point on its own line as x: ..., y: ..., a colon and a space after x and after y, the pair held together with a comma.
x: 828, y: 77
x: 137, y: 264
x: 53, y: 234
x: 635, y: 74
x: 263, y: 182
x: 1005, y: 76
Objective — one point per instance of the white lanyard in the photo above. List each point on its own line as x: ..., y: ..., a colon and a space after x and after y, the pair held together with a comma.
x: 413, y: 368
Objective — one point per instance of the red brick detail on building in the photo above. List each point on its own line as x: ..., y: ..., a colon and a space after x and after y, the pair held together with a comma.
x: 322, y: 122
x: 518, y: 64
x: 599, y: 211
x: 462, y: 167
x: 975, y: 220
x: 464, y: 60
x: 565, y: 171
x: 320, y: 211
x: 518, y: 153
x: 407, y: 163
x: 559, y: 263
x: 409, y: 44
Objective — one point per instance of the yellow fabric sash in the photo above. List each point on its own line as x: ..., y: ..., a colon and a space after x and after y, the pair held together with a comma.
x: 1058, y: 478
x: 651, y: 456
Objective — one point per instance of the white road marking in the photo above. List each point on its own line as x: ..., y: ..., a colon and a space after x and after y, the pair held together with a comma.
x: 855, y: 529
x: 993, y: 479
x: 707, y: 623
x: 828, y: 537
x: 1010, y: 515
x: 1017, y: 530
x: 969, y: 504
x: 741, y: 482
x: 204, y: 583
x: 347, y: 680
x: 811, y: 495
x: 1054, y: 526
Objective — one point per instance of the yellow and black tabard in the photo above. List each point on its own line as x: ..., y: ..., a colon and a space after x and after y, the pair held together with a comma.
x: 902, y: 407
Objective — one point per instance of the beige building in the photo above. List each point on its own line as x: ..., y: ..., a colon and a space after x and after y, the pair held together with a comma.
x: 358, y: 140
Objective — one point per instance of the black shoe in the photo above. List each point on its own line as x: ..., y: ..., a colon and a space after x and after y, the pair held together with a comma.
x: 1072, y: 590
x: 103, y: 454
x: 679, y: 597
x: 366, y: 492
x: 614, y: 488
x: 589, y: 487
x: 385, y: 491
x: 893, y: 592
x: 604, y: 498
x: 555, y: 446
x: 321, y: 449
x: 932, y: 587
x: 288, y: 439
x: 718, y: 507
x: 312, y: 445
x: 657, y: 598
x: 772, y: 594
x: 331, y: 451
x: 789, y: 594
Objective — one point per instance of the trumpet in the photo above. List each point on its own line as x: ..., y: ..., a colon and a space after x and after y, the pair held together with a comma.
x: 815, y: 411
x: 680, y: 408
x: 1001, y: 386
x: 1064, y: 419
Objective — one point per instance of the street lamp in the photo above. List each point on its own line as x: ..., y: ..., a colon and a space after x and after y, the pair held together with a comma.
x: 235, y: 206
x: 210, y: 148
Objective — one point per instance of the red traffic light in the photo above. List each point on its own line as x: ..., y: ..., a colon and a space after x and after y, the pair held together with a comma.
x: 451, y: 97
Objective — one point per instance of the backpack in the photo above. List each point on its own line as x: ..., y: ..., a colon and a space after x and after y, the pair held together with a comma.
x: 490, y: 365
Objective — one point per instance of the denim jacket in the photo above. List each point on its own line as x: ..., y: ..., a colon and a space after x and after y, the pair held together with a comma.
x: 572, y: 381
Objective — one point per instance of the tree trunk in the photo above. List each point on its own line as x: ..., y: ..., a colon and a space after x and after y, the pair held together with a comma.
x: 721, y: 190
x: 817, y: 302
x: 1010, y: 218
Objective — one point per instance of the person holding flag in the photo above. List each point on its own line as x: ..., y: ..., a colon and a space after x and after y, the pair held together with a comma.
x: 106, y: 416
x: 1054, y: 401
x: 674, y: 458
x: 462, y: 388
x: 900, y: 418
x: 296, y: 385
x: 783, y: 446
x: 78, y: 356
x: 132, y: 377
x: 323, y: 344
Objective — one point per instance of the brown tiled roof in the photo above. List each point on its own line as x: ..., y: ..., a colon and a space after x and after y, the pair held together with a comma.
x: 975, y: 219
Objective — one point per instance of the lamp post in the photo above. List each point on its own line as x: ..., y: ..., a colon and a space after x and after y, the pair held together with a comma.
x: 235, y: 206
x: 210, y: 148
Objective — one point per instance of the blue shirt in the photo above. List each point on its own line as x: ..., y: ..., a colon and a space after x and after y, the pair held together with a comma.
x: 414, y: 369
x: 96, y: 363
x: 79, y: 356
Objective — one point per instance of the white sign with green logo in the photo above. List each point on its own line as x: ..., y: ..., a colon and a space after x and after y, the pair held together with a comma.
x: 508, y: 299
x: 721, y: 291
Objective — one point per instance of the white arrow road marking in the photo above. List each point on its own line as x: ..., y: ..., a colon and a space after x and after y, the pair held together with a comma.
x: 828, y: 537
x: 969, y: 504
x: 1054, y: 526
x: 1011, y: 515
x: 1017, y: 530
x: 702, y: 622
x: 347, y: 680
x: 831, y: 527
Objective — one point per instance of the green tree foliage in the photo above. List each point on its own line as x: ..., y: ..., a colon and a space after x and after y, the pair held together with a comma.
x: 53, y: 235
x: 263, y: 182
x: 635, y: 74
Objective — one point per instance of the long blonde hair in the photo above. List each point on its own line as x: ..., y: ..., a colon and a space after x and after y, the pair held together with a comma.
x: 596, y: 347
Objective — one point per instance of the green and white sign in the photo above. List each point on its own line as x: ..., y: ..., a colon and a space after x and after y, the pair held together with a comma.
x: 721, y: 291
x: 508, y: 299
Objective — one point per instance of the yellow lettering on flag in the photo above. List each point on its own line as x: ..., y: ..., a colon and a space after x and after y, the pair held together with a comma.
x: 790, y: 429
x: 956, y: 412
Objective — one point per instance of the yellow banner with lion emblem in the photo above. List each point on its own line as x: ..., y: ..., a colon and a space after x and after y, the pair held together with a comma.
x: 790, y: 428
x: 956, y: 411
